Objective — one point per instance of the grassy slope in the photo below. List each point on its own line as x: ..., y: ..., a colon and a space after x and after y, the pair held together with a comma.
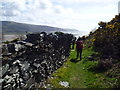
x: 78, y: 75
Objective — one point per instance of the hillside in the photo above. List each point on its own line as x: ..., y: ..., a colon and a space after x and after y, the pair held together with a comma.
x: 9, y: 27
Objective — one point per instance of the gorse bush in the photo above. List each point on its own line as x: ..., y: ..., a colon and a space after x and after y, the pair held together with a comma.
x: 107, y: 38
x: 106, y: 41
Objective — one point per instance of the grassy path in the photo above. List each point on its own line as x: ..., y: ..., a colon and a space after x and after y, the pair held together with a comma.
x: 77, y: 74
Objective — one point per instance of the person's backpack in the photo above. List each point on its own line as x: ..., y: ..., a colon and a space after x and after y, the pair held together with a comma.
x: 79, y: 44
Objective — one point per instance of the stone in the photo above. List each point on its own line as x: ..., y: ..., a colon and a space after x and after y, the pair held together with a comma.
x: 18, y: 47
x: 11, y: 48
x: 35, y: 59
x: 64, y: 83
x: 1, y: 80
x: 4, y: 49
x: 29, y: 44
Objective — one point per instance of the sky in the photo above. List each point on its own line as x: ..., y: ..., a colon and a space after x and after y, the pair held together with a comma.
x: 83, y: 15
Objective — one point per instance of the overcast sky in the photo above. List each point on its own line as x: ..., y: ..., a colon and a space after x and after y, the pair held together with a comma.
x: 83, y: 15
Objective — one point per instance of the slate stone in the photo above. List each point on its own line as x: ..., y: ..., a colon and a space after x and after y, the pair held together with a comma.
x: 11, y: 48
x: 39, y: 57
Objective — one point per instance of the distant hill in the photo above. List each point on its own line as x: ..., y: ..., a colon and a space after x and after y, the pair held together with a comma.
x: 10, y: 27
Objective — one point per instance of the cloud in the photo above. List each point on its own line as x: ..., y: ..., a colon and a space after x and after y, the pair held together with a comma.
x: 11, y: 8
x: 43, y: 4
x: 59, y: 9
x: 78, y: 14
x: 85, y: 1
x: 9, y: 13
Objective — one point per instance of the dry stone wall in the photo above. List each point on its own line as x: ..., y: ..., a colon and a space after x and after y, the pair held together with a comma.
x: 35, y: 60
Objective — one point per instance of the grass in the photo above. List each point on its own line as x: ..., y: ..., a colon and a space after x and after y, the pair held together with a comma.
x: 77, y: 73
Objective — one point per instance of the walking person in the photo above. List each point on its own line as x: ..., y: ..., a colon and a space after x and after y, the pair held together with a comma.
x: 79, y: 47
x: 73, y: 42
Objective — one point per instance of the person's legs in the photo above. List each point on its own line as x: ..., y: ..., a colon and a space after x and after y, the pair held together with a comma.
x: 77, y: 54
x: 81, y: 54
x: 73, y: 45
